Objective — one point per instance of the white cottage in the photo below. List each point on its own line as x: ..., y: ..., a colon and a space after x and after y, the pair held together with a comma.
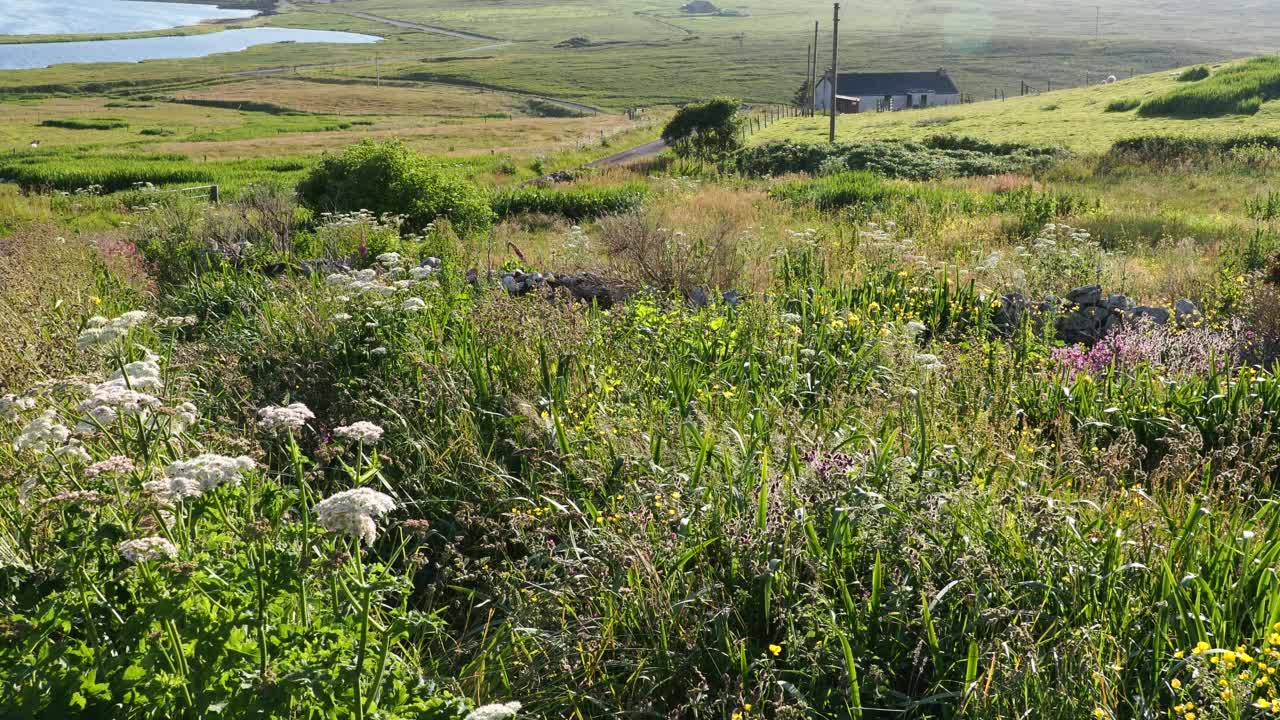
x: 882, y: 92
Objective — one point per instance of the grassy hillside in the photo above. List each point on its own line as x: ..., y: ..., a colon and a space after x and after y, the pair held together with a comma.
x: 648, y: 52
x: 1077, y: 118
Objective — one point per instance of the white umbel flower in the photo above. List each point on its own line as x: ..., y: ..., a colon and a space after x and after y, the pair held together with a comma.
x: 100, y: 331
x: 110, y: 399
x: 497, y: 711
x: 413, y: 304
x: 42, y: 433
x: 352, y: 512
x: 363, y: 431
x: 275, y: 418
x: 171, y: 490
x: 148, y: 548
x: 140, y: 375
x: 210, y: 470
x: 12, y: 405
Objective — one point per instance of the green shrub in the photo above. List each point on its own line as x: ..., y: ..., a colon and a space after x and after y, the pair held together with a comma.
x: 1122, y: 105
x: 79, y: 124
x: 1238, y: 90
x: 576, y: 204
x: 936, y: 157
x: 868, y: 189
x: 1200, y: 72
x: 388, y: 177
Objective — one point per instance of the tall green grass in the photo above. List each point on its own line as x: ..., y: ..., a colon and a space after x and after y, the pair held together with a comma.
x: 1237, y: 90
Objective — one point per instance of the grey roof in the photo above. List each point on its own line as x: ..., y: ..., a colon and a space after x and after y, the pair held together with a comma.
x: 896, y: 83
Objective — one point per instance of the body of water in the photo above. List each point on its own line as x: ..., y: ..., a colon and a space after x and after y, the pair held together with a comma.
x: 25, y: 56
x: 65, y: 17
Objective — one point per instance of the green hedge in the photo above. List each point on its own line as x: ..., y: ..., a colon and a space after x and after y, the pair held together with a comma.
x: 576, y: 204
x: 1238, y: 90
x: 936, y: 157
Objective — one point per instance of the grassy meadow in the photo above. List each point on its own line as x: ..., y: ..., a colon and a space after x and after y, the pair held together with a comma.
x: 315, y: 452
x: 972, y: 415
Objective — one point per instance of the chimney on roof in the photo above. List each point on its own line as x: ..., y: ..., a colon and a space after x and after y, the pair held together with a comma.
x: 942, y: 72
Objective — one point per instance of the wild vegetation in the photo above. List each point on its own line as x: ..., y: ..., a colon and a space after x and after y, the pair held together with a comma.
x: 970, y: 415
x: 816, y: 447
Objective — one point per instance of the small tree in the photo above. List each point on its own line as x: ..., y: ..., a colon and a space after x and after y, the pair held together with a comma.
x: 706, y: 131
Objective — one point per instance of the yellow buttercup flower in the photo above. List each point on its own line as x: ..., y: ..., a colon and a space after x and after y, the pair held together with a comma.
x: 775, y: 650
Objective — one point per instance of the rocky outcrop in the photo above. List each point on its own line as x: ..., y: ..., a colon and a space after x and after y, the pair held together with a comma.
x: 585, y: 287
x: 1087, y: 314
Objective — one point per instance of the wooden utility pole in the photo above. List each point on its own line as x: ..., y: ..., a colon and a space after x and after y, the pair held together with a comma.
x: 813, y: 74
x: 835, y: 67
x: 1097, y: 26
x: 808, y: 73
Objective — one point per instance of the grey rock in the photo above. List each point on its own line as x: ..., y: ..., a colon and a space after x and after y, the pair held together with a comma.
x: 1159, y: 316
x: 1087, y: 295
x: 432, y: 262
x: 1186, y: 311
x: 1117, y: 302
x: 699, y: 297
x: 731, y: 298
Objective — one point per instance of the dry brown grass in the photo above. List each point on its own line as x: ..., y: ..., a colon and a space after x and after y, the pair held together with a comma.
x: 47, y: 290
x: 520, y: 136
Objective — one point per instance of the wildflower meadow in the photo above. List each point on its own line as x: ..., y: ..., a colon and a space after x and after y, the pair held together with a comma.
x: 722, y: 452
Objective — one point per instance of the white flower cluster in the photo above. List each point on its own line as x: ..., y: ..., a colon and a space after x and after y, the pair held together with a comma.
x: 148, y: 548
x: 363, y: 431
x: 116, y: 464
x: 171, y: 489
x: 210, y: 470
x: 275, y: 418
x: 496, y: 711
x: 413, y: 304
x: 100, y: 331
x: 12, y: 405
x: 352, y: 512
x: 369, y: 282
x: 42, y: 434
x: 363, y: 282
x: 109, y: 400
x: 140, y: 375
x: 72, y: 452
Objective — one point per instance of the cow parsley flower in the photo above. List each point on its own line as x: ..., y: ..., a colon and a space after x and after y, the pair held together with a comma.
x: 140, y: 375
x: 413, y: 304
x: 12, y: 405
x: 116, y: 464
x: 363, y: 431
x: 210, y: 470
x: 110, y: 399
x: 148, y: 548
x: 42, y: 433
x: 352, y: 512
x: 100, y: 331
x: 275, y: 418
x: 341, y: 317
x: 929, y: 363
x: 496, y: 711
x: 72, y: 452
x: 171, y: 489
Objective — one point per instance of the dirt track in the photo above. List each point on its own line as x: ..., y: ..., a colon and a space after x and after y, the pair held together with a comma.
x: 635, y: 153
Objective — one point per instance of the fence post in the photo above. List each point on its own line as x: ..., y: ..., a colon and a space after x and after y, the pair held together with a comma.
x: 213, y: 194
